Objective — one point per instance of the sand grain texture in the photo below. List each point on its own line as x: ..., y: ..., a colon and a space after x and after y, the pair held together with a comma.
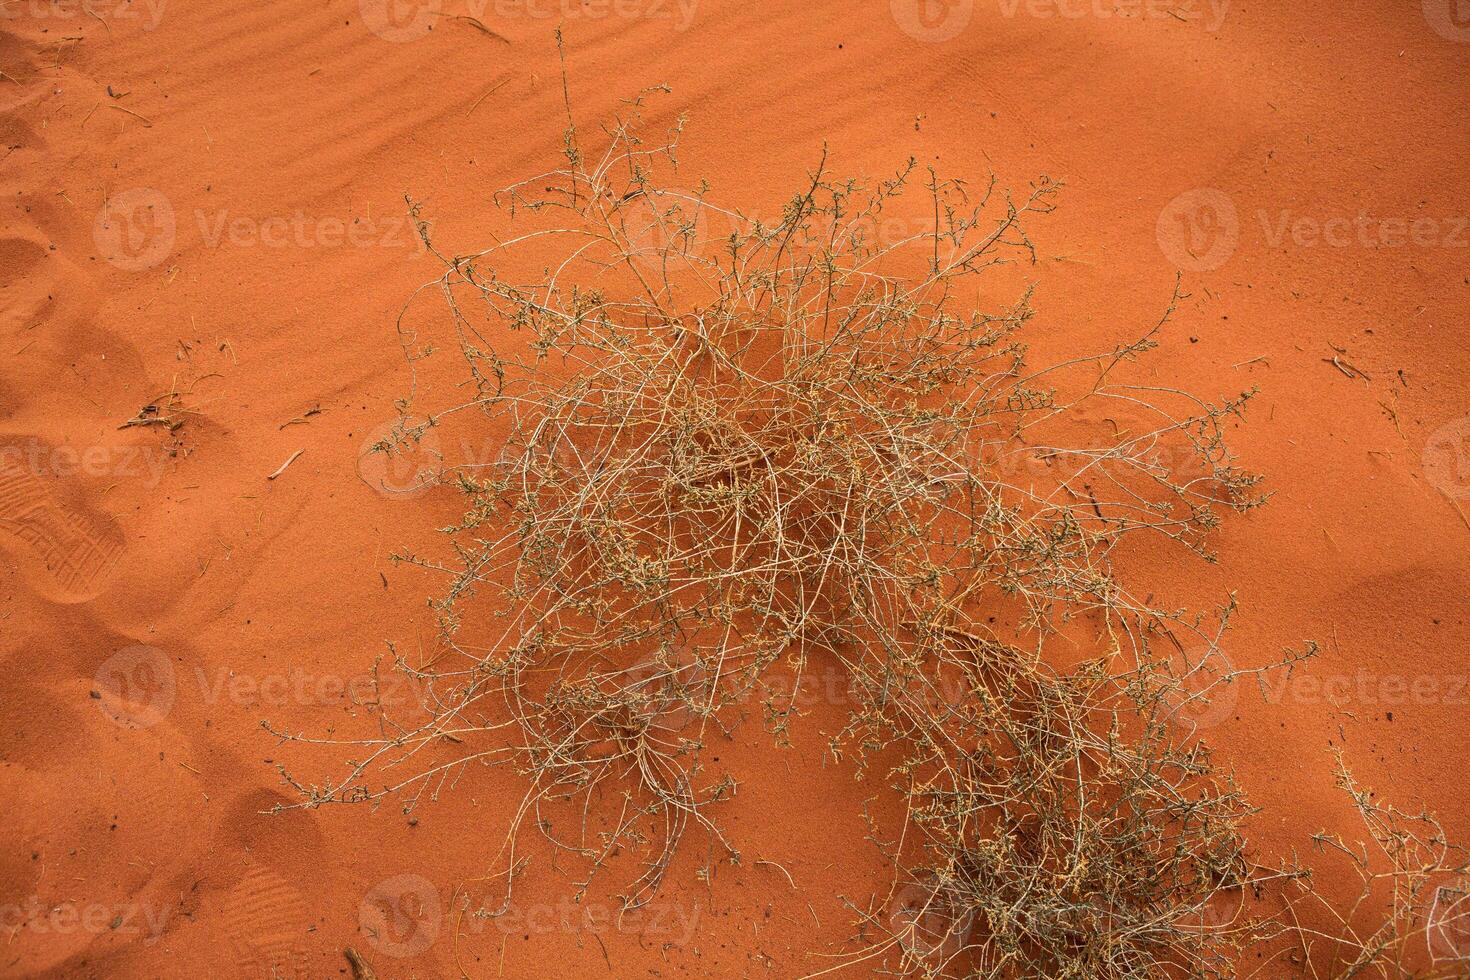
x: 204, y: 213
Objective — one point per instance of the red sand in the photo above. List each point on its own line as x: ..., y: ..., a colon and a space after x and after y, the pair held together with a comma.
x: 208, y: 198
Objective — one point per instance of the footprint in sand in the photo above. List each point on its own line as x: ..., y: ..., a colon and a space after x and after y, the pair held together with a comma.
x: 43, y: 517
x: 267, y: 919
x: 266, y: 916
x: 77, y: 550
x: 99, y: 846
x: 25, y: 301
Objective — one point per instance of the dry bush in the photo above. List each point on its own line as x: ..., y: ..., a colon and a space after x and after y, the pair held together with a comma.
x: 1409, y: 912
x: 736, y: 456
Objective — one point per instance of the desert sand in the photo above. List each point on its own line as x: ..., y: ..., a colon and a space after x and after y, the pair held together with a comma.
x: 205, y: 233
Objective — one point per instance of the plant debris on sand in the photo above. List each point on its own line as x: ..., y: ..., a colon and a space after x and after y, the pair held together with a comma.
x: 738, y: 451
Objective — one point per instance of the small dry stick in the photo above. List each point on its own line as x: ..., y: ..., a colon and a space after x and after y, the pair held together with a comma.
x: 361, y: 969
x: 303, y: 417
x: 286, y: 464
x: 147, y: 123
x: 489, y: 92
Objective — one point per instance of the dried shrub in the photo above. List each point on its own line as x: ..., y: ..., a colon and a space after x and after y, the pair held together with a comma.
x: 737, y: 451
x: 1406, y: 914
